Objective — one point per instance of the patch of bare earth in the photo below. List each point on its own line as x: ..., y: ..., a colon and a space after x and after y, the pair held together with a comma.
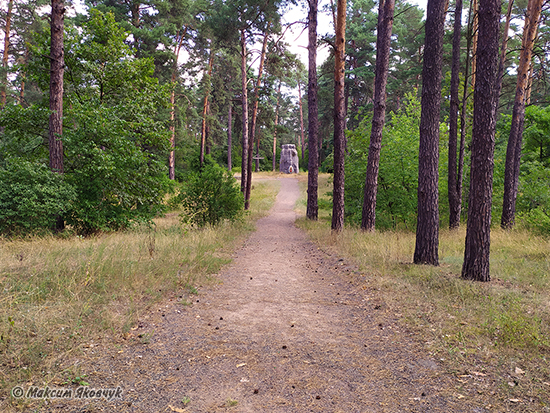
x: 287, y: 329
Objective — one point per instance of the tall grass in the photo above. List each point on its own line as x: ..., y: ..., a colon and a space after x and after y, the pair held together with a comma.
x: 58, y: 294
x: 499, y: 324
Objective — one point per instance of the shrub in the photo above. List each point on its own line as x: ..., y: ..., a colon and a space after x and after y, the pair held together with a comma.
x: 210, y: 196
x: 31, y: 197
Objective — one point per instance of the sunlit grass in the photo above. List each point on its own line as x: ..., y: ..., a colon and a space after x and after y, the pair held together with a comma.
x: 57, y: 294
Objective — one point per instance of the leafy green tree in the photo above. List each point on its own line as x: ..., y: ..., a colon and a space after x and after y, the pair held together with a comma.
x: 114, y: 139
x: 31, y: 197
x: 210, y: 196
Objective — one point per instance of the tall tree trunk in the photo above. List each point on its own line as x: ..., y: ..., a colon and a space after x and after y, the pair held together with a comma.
x: 7, y: 29
x: 503, y: 48
x: 57, y: 65
x: 252, y: 131
x: 275, y: 131
x: 205, y: 106
x: 229, y: 135
x: 452, y: 182
x: 465, y: 90
x: 313, y: 121
x: 301, y: 117
x: 339, y: 119
x: 513, y: 150
x: 244, y: 97
x: 172, y: 156
x: 383, y: 43
x: 475, y: 31
x: 478, y: 238
x: 427, y: 229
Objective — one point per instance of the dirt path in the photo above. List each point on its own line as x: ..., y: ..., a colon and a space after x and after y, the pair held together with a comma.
x: 288, y: 330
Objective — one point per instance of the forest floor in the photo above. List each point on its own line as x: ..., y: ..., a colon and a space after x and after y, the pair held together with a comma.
x: 288, y: 328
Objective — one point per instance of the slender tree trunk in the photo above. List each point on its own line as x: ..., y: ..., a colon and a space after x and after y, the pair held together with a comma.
x: 478, y: 238
x: 313, y: 121
x: 244, y: 97
x: 205, y: 106
x: 339, y: 119
x: 427, y: 229
x: 275, y: 131
x: 513, y: 151
x: 383, y: 43
x: 7, y: 29
x: 229, y: 135
x: 529, y: 86
x: 463, y: 125
x: 57, y: 65
x: 475, y: 31
x: 252, y: 131
x: 172, y: 156
x: 504, y: 47
x: 301, y: 117
x: 452, y: 182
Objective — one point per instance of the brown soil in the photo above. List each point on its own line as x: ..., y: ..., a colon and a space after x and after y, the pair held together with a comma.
x: 289, y: 328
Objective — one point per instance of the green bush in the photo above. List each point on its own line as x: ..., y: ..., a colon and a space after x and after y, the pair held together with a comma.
x: 210, y: 196
x: 31, y: 197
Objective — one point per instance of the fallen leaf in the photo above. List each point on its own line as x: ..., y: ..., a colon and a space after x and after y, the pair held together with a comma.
x: 519, y: 371
x: 477, y: 373
x: 242, y: 364
x: 511, y: 384
x: 546, y: 383
x: 459, y: 396
x: 177, y: 409
x: 464, y: 375
x: 515, y: 400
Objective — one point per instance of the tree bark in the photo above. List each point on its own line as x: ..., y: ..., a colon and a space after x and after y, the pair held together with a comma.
x: 275, y: 131
x: 513, y: 150
x: 453, y: 190
x: 427, y: 229
x: 301, y: 117
x: 339, y: 119
x: 229, y: 135
x: 313, y: 122
x: 7, y: 29
x: 252, y: 131
x: 205, y: 106
x: 477, y: 249
x: 57, y: 65
x: 475, y: 31
x: 244, y: 98
x: 383, y: 43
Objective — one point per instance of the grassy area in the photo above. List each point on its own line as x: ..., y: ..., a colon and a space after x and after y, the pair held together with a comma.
x: 495, y: 327
x: 57, y: 294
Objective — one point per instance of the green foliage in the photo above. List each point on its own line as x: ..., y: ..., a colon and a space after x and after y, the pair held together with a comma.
x: 210, y: 196
x: 398, y: 176
x: 533, y: 201
x: 31, y: 197
x: 115, y: 135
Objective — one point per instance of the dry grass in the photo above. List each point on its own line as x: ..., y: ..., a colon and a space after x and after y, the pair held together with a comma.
x: 494, y: 326
x: 58, y: 295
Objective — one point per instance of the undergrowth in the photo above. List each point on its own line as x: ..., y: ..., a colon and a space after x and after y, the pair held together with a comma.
x: 59, y: 294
